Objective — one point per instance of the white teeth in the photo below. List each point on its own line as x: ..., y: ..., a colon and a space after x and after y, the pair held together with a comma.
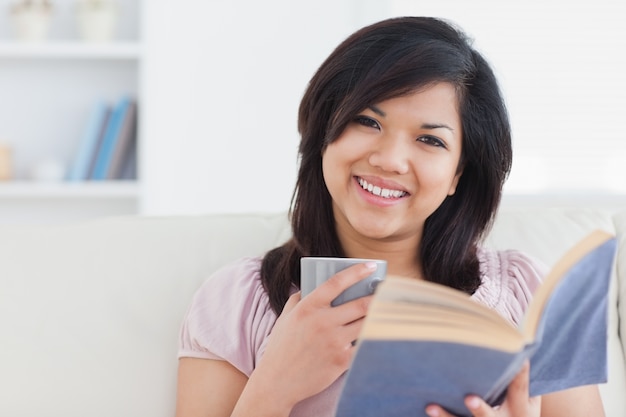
x: 381, y: 192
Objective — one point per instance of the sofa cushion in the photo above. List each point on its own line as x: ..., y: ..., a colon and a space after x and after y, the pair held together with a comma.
x: 90, y: 312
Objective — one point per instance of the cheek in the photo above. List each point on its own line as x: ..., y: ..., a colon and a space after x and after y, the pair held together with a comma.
x: 330, y: 166
x: 437, y: 173
x: 326, y: 163
x: 334, y: 156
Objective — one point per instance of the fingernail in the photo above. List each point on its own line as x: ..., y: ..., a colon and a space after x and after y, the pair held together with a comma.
x: 473, y: 403
x: 371, y: 265
x: 432, y: 411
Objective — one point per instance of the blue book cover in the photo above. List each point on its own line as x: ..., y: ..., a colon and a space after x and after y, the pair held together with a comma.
x: 109, y: 141
x: 88, y: 145
x: 424, y: 343
x: 125, y: 145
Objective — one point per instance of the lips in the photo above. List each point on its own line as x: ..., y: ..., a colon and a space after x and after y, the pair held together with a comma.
x: 381, y: 191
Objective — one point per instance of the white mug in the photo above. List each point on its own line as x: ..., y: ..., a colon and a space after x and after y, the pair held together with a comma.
x: 316, y: 270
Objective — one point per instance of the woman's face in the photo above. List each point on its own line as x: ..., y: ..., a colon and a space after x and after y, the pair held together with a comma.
x: 394, y: 164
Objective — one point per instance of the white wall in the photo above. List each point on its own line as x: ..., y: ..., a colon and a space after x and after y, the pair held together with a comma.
x: 223, y: 79
x: 561, y: 64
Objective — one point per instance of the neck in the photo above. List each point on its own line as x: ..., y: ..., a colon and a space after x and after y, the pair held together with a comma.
x: 402, y: 256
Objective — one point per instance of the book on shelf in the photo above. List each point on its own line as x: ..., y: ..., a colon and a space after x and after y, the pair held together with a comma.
x: 82, y: 163
x: 120, y: 123
x: 125, y: 145
x: 129, y: 164
x: 424, y: 343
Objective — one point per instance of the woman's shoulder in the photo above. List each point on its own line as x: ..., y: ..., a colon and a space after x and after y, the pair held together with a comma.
x: 508, y: 280
x: 234, y: 286
x: 241, y: 276
x: 229, y: 316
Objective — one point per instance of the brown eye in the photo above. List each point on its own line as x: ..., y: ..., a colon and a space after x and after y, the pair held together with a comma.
x: 367, y: 122
x: 432, y: 140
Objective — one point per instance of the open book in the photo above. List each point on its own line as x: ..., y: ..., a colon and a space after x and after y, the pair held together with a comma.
x: 425, y: 343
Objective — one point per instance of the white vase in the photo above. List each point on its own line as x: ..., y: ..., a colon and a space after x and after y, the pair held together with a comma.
x: 48, y: 170
x: 6, y: 163
x: 31, y: 24
x: 97, y: 23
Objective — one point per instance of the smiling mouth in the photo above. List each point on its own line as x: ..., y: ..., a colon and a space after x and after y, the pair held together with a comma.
x: 380, y: 192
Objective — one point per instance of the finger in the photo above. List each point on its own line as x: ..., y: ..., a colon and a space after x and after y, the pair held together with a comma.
x: 434, y: 410
x: 516, y: 397
x: 351, y: 311
x: 517, y: 392
x: 478, y: 407
x: 353, y: 330
x: 339, y: 282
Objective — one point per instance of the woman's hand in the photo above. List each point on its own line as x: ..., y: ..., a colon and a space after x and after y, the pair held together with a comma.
x: 517, y: 402
x: 310, y: 345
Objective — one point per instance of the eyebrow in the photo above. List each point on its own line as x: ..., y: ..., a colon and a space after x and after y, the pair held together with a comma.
x: 377, y: 110
x: 436, y: 126
x: 429, y: 126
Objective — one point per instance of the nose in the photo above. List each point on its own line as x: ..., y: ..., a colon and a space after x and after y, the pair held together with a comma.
x: 391, y: 155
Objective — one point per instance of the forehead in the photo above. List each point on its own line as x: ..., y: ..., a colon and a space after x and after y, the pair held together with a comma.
x: 439, y: 100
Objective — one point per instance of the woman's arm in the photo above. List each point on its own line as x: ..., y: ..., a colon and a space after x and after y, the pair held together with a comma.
x: 309, y: 347
x: 216, y: 388
x: 206, y: 387
x: 582, y: 401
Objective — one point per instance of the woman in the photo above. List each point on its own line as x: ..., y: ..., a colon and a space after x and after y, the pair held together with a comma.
x: 405, y: 145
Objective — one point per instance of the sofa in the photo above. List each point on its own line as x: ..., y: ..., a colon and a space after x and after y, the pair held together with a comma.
x: 90, y: 311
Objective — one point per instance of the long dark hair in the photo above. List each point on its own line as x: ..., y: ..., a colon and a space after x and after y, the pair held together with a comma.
x: 389, y: 59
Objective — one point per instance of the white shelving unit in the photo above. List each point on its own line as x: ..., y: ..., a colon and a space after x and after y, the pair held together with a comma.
x: 70, y: 50
x: 107, y: 190
x: 28, y: 202
x: 48, y: 90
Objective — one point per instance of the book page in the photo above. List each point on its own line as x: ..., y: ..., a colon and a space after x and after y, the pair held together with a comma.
x: 408, y: 309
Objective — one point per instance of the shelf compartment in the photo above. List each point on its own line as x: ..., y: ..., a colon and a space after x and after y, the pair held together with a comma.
x: 109, y: 190
x: 118, y: 50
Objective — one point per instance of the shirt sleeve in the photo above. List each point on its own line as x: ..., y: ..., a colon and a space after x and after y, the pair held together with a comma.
x: 229, y: 317
x: 509, y: 279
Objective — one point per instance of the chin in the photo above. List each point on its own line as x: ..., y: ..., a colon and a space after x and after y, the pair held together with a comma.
x: 375, y: 231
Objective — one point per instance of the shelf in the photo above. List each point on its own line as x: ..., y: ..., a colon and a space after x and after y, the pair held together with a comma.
x: 69, y: 190
x: 122, y: 50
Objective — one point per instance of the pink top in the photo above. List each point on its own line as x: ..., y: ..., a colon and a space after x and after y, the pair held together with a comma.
x: 230, y: 317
